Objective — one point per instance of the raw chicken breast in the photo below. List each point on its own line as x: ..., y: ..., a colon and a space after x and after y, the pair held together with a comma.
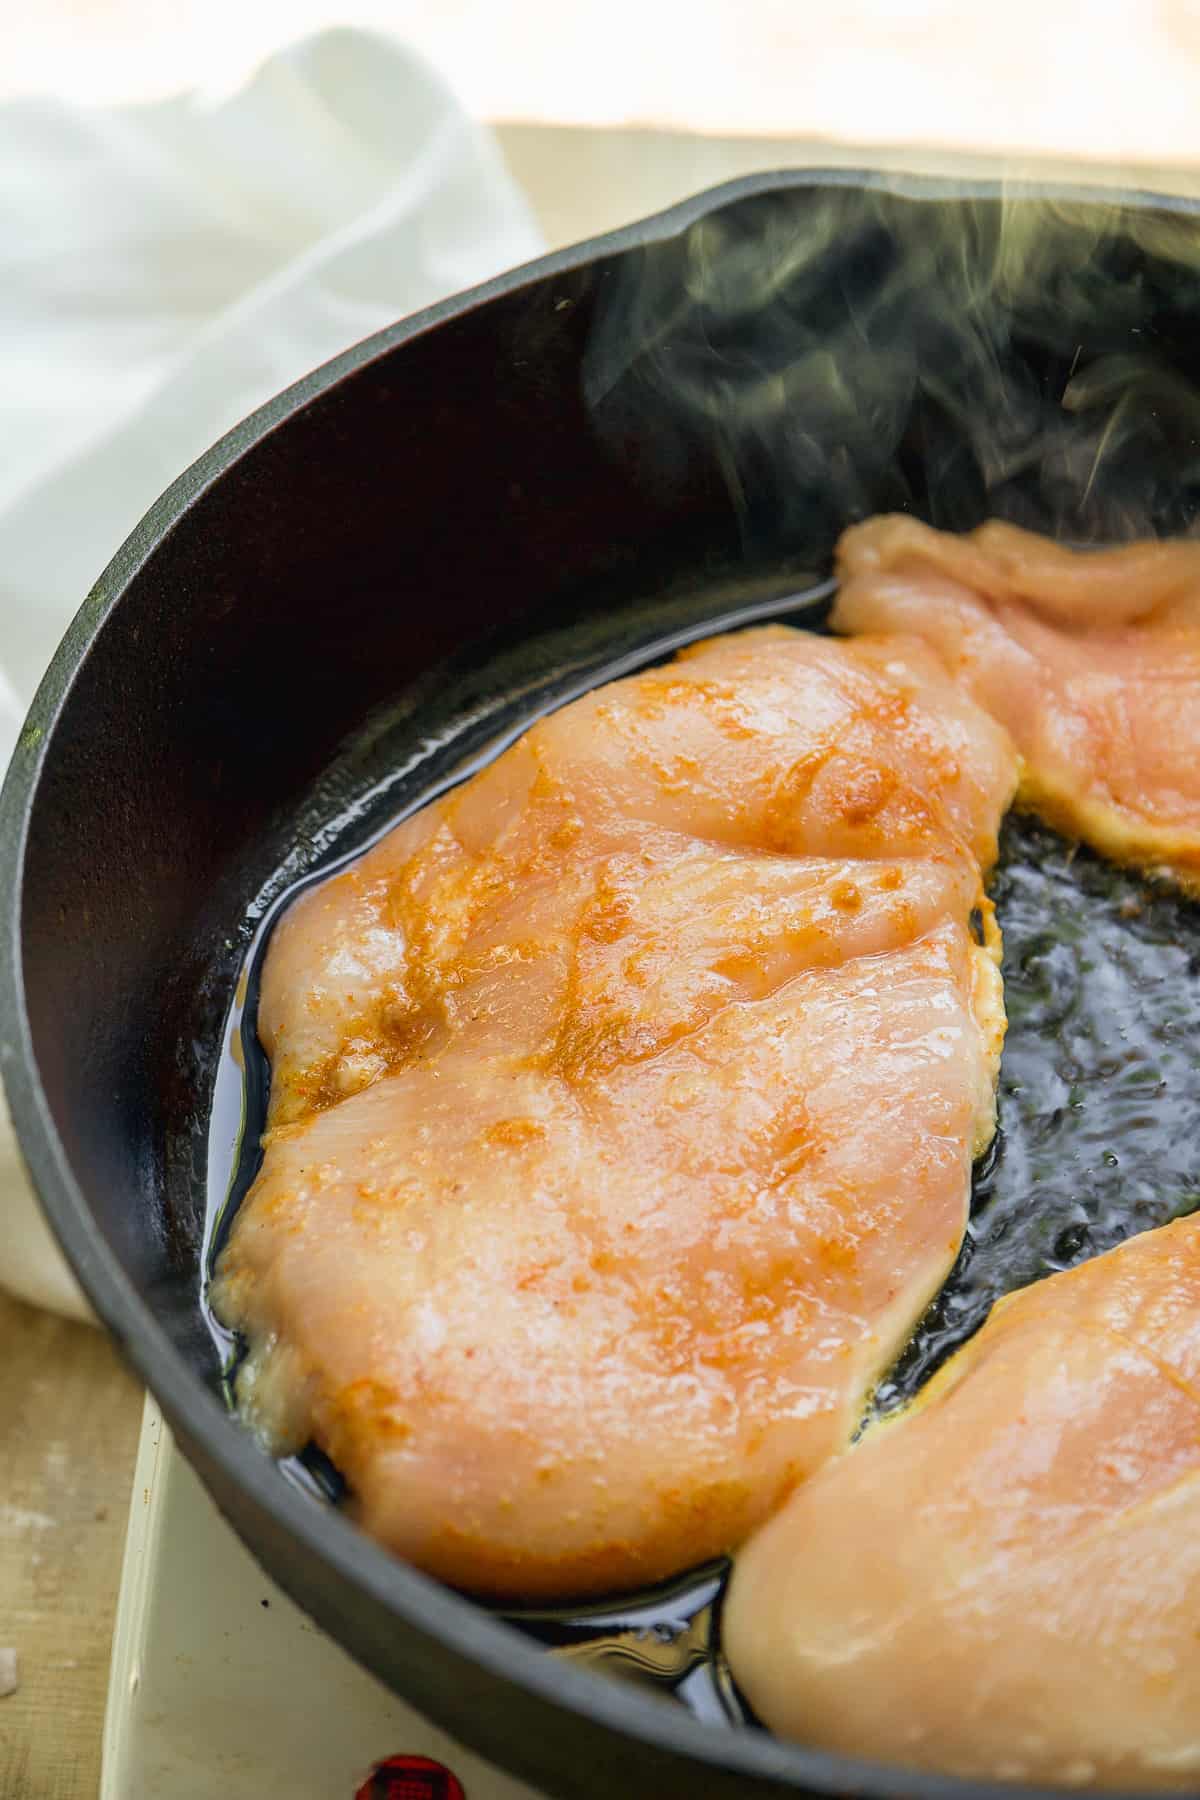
x: 1004, y: 1582
x: 1090, y: 658
x: 622, y: 1113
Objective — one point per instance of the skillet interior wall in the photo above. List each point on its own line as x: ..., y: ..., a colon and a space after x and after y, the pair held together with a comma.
x: 462, y: 490
x: 1022, y: 355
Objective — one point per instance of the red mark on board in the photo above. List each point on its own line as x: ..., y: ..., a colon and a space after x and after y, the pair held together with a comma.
x: 410, y: 1778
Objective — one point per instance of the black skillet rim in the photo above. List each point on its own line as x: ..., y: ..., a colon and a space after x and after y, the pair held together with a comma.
x: 497, y: 1649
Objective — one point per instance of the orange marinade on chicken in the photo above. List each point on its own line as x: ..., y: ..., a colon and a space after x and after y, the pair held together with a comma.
x: 1090, y: 658
x: 622, y: 1113
x: 1004, y: 1581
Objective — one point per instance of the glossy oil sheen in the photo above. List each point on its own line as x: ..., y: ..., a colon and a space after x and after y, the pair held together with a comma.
x: 1099, y: 1100
x: 1099, y: 1097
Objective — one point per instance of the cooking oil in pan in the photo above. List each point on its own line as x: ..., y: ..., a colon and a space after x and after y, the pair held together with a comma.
x: 1099, y: 1103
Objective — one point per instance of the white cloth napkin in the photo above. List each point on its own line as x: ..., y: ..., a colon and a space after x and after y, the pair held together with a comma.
x: 163, y: 270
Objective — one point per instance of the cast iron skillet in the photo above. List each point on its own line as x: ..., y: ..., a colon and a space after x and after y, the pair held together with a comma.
x: 239, y: 673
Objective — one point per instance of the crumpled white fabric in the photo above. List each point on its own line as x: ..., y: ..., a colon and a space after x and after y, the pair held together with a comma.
x: 166, y: 268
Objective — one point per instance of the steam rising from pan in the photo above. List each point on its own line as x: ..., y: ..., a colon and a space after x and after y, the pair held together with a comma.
x: 836, y: 351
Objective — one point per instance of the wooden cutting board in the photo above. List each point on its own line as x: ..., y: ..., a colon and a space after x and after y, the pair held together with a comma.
x: 69, y: 1417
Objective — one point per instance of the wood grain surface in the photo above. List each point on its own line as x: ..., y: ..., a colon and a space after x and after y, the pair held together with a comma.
x: 69, y: 1417
x: 1114, y: 79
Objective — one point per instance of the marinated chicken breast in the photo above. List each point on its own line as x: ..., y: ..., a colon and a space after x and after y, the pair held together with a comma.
x: 1091, y: 659
x: 623, y: 1106
x: 1004, y: 1581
